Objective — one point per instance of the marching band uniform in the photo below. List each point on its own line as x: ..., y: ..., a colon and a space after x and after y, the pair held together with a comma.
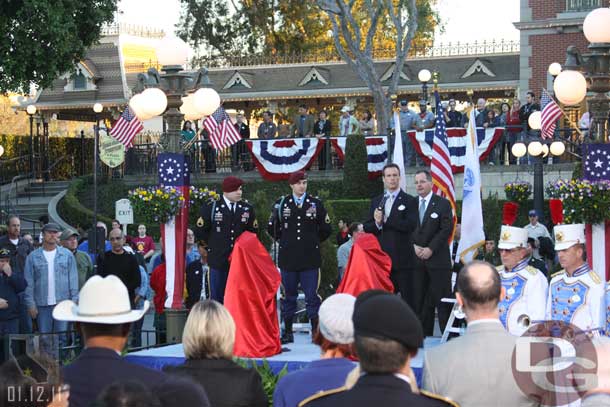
x: 219, y: 224
x: 300, y: 225
x: 577, y: 299
x: 525, y: 286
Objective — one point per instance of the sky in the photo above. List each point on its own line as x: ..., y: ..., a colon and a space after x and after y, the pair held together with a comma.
x: 464, y: 20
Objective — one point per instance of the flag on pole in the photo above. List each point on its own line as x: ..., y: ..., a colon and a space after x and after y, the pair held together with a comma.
x: 173, y: 172
x: 440, y: 166
x: 222, y: 131
x: 473, y: 234
x: 397, y: 154
x: 550, y: 113
x: 126, y: 128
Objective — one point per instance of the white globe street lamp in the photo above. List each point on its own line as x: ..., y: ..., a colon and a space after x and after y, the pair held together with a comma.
x: 98, y: 107
x: 31, y: 109
x: 534, y: 148
x: 570, y: 87
x: 188, y: 108
x: 424, y: 75
x: 172, y: 51
x: 557, y: 148
x: 206, y: 101
x: 597, y: 25
x: 519, y: 150
x: 154, y: 102
x: 535, y: 120
x: 555, y: 69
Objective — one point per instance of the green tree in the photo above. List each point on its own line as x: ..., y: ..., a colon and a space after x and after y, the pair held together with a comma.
x: 43, y: 39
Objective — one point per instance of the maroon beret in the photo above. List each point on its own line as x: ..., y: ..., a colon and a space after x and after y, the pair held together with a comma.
x: 231, y: 184
x: 296, y: 177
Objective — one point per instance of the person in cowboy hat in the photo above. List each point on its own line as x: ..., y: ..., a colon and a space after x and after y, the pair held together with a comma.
x: 219, y: 224
x: 300, y: 223
x: 103, y: 316
x: 526, y: 287
x: 576, y: 293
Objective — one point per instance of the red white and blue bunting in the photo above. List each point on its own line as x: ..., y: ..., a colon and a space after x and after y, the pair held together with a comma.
x: 277, y: 159
x: 456, y: 137
x: 376, y: 152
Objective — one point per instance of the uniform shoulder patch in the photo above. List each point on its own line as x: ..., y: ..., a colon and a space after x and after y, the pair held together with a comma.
x: 500, y: 268
x: 327, y: 219
x: 560, y: 272
x: 448, y: 401
x: 200, y: 222
x: 532, y: 270
x: 594, y: 277
x: 321, y: 394
x: 255, y: 224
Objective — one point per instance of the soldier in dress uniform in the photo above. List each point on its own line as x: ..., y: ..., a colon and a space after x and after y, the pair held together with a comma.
x: 576, y: 293
x: 300, y: 223
x: 219, y: 224
x: 525, y: 286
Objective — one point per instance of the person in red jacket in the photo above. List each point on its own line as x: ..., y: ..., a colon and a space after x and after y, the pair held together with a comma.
x: 157, y: 283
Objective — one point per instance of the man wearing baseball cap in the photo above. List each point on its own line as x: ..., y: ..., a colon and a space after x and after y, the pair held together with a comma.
x: 387, y: 336
x: 219, y: 224
x: 69, y: 240
x: 576, y: 293
x: 300, y: 223
x: 526, y: 287
x: 536, y: 230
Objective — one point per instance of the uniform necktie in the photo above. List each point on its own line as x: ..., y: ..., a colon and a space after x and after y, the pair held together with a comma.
x: 422, y: 210
x: 232, y: 207
x: 388, y: 207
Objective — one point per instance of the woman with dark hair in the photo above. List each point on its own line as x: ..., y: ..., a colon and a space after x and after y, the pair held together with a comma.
x: 208, y: 340
x: 367, y: 123
x: 321, y: 129
x: 187, y: 131
x: 502, y: 121
x: 513, y: 128
x: 335, y: 337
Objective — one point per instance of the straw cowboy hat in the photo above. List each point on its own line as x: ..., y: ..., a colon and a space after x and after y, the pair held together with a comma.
x: 102, y: 300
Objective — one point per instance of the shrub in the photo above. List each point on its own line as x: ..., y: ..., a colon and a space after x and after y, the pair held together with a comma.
x: 355, y: 173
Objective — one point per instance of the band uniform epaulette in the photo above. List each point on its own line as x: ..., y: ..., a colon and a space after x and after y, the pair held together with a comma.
x: 500, y: 268
x: 594, y: 277
x: 437, y: 397
x: 533, y: 270
x: 323, y: 394
x: 558, y: 273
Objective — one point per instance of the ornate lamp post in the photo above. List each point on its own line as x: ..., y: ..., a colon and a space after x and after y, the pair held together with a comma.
x: 31, y: 110
x: 571, y: 85
x: 539, y: 151
x: 165, y: 94
x: 424, y: 77
x: 97, y: 109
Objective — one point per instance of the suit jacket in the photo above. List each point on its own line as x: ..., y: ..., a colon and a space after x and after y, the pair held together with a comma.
x: 196, y: 272
x: 435, y: 230
x: 395, y: 235
x: 243, y: 129
x: 307, y: 126
x: 96, y: 368
x: 299, y: 231
x: 219, y: 227
x: 479, y: 360
x: 320, y: 128
x: 384, y: 390
x: 226, y: 383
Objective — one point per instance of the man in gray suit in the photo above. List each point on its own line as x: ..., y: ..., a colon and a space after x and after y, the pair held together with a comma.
x: 475, y: 369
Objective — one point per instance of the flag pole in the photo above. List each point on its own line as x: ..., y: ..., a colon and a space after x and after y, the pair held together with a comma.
x: 572, y: 124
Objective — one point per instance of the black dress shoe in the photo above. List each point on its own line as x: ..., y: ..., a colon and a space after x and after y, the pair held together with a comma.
x: 287, y: 338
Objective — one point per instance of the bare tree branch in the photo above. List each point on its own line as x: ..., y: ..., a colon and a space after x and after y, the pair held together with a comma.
x: 403, y: 44
x: 373, y: 28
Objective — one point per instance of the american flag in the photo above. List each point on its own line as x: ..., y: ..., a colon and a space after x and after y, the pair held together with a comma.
x: 126, y: 128
x: 550, y: 113
x: 174, y: 172
x: 222, y: 131
x: 440, y: 166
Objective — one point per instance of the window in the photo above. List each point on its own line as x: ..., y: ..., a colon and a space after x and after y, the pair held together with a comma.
x: 582, y: 5
x: 80, y: 82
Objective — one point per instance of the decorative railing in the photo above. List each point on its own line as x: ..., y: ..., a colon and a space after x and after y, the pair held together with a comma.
x: 132, y: 29
x: 438, y: 51
x: 582, y: 5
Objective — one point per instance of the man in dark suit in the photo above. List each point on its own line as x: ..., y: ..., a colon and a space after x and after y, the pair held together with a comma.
x: 393, y: 218
x: 300, y: 223
x: 431, y: 280
x: 103, y: 316
x: 302, y: 124
x: 239, y: 148
x: 219, y: 224
x: 387, y: 336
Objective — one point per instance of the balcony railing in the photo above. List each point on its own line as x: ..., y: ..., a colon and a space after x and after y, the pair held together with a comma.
x: 582, y: 5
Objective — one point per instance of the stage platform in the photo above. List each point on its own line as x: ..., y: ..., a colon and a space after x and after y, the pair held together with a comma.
x: 302, y: 351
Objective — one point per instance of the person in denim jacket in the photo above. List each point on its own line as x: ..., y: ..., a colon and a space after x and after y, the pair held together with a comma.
x: 51, y: 276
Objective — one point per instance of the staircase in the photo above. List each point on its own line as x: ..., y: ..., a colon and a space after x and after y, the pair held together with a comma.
x: 33, y: 202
